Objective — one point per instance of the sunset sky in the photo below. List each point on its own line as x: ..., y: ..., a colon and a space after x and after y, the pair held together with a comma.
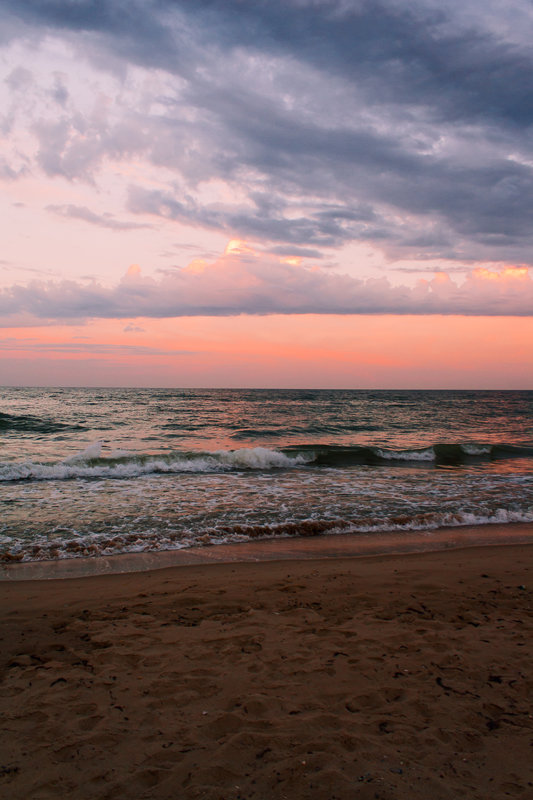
x: 296, y: 193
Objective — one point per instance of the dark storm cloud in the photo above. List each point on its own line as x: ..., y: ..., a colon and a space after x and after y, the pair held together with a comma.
x: 399, y: 123
x: 411, y: 53
x: 330, y: 230
x: 133, y: 26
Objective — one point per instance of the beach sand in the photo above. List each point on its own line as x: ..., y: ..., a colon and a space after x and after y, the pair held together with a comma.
x: 393, y: 677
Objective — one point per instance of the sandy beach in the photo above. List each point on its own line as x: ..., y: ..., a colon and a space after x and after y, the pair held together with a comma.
x: 395, y: 677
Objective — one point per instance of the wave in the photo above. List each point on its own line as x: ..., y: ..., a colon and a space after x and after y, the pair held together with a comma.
x: 121, y: 464
x: 98, y: 544
x: 440, y: 453
x: 90, y: 464
x: 27, y: 423
x: 244, y: 433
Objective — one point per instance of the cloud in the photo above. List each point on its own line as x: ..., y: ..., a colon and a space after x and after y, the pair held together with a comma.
x: 87, y: 349
x: 321, y: 122
x: 314, y: 226
x: 102, y: 220
x: 9, y: 173
x: 246, y: 282
x: 414, y: 52
x: 19, y: 78
x: 60, y: 92
x: 291, y: 250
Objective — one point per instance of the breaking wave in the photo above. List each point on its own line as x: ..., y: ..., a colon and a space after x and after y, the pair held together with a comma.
x: 121, y: 464
x: 91, y: 464
x: 435, y: 454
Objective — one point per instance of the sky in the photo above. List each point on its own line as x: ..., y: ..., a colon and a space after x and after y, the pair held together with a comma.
x: 278, y: 193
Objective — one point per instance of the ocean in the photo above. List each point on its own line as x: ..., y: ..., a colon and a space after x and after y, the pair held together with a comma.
x: 89, y: 472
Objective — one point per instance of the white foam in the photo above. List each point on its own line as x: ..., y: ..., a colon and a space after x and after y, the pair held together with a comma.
x: 260, y: 458
x: 449, y: 520
x: 476, y: 449
x: 80, y: 466
x: 93, y: 450
x: 90, y: 545
x: 428, y: 454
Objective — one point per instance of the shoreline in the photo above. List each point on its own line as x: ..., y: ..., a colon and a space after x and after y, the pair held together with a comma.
x: 393, y: 676
x: 329, y: 546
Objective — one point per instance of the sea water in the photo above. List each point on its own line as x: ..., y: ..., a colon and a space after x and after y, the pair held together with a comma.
x: 88, y: 472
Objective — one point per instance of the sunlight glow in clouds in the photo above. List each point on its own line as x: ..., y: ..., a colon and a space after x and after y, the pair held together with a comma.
x: 509, y: 273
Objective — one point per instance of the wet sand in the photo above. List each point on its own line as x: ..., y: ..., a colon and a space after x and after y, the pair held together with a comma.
x: 276, y: 549
x: 398, y: 677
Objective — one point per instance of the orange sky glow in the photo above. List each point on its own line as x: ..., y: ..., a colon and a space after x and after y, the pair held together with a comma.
x: 292, y: 351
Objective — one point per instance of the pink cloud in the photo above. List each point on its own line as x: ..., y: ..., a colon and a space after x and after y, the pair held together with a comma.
x: 242, y: 281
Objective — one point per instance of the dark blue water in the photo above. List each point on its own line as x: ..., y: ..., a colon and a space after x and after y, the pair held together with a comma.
x: 99, y: 471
